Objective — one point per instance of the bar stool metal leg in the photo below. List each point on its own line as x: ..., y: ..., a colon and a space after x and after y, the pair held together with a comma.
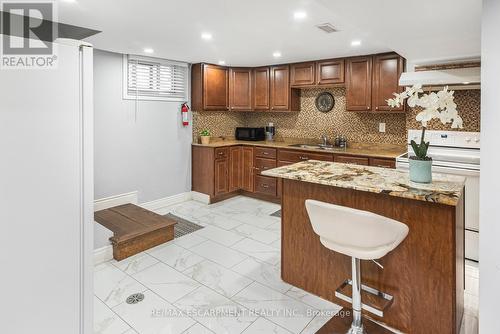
x: 357, y: 322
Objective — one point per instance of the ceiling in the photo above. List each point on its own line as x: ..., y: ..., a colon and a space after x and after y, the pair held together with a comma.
x: 247, y: 33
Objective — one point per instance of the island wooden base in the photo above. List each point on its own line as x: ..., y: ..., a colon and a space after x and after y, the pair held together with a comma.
x: 425, y: 274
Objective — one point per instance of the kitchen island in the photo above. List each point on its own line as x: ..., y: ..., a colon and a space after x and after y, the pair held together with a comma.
x: 425, y: 274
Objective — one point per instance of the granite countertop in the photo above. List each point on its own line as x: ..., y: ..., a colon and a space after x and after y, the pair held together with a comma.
x: 445, y: 189
x: 389, y: 151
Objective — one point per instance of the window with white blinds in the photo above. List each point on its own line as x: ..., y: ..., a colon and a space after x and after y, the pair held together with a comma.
x: 154, y: 79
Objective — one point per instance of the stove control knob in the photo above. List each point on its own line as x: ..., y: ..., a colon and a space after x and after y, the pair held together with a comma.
x: 467, y: 139
x: 476, y: 140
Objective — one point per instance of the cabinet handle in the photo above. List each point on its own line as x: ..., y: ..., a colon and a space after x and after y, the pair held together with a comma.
x: 265, y: 153
x: 264, y: 186
x: 367, y: 108
x: 303, y: 158
x: 376, y: 108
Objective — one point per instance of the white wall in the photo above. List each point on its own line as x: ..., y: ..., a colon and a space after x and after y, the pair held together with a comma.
x: 145, y: 149
x: 489, y: 243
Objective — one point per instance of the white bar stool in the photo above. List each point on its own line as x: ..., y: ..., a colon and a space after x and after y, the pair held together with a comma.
x: 359, y: 234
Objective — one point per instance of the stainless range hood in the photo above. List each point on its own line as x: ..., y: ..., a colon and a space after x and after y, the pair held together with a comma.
x: 456, y: 78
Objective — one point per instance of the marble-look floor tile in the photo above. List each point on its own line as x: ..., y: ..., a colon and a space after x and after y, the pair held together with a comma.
x: 312, y: 300
x: 176, y: 256
x: 166, y: 282
x: 249, y: 231
x: 316, y: 324
x: 222, y: 255
x: 130, y: 331
x: 218, y: 278
x: 113, y: 286
x: 275, y: 306
x: 197, y: 328
x: 258, y: 250
x: 220, y: 221
x: 221, y: 236
x: 258, y: 221
x: 264, y: 326
x: 189, y: 240
x: 190, y: 210
x: 136, y: 263
x: 263, y: 273
x: 277, y: 244
x: 275, y: 228
x: 154, y: 316
x: 106, y: 321
x: 216, y: 312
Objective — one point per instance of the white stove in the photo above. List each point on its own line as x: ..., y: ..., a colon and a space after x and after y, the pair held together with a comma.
x: 456, y: 153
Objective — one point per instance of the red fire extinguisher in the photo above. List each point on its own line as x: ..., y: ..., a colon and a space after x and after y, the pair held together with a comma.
x: 185, y: 114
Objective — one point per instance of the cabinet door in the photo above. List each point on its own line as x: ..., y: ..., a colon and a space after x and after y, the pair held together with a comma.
x: 280, y: 88
x: 261, y: 88
x: 221, y: 177
x: 240, y: 89
x: 215, y: 87
x: 330, y: 72
x: 359, y: 84
x: 247, y: 168
x: 235, y: 170
x: 386, y: 72
x: 302, y: 74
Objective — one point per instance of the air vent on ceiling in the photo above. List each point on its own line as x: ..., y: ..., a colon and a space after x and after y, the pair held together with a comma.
x: 327, y: 27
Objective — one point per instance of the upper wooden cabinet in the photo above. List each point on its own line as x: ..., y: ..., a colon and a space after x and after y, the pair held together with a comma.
x: 210, y: 87
x: 261, y: 88
x: 240, y: 89
x: 303, y: 74
x: 371, y: 80
x: 387, y: 69
x: 282, y: 97
x: 359, y: 84
x: 330, y: 72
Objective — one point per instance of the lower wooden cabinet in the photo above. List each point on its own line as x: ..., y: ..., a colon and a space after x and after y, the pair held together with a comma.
x: 247, y: 168
x: 226, y: 171
x: 221, y: 177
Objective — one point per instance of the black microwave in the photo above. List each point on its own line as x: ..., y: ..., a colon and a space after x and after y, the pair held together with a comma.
x: 251, y: 134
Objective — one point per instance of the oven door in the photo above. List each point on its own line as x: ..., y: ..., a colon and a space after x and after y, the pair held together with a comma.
x: 471, y: 202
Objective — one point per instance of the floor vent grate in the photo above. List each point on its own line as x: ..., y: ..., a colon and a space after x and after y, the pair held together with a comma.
x: 135, y: 298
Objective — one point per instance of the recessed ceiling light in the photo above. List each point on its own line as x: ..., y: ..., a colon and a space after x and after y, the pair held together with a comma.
x: 299, y: 15
x: 148, y: 50
x: 222, y: 62
x: 206, y: 36
x: 466, y: 82
x: 277, y: 54
x: 356, y: 42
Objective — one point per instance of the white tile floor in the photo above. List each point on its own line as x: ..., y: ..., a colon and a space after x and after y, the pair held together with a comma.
x: 224, y: 278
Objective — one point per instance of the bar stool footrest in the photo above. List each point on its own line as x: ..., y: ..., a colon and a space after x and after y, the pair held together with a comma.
x: 377, y: 301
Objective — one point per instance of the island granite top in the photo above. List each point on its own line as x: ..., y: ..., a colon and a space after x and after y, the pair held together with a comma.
x: 444, y: 189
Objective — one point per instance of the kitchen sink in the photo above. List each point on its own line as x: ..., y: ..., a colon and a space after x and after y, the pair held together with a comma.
x: 317, y: 146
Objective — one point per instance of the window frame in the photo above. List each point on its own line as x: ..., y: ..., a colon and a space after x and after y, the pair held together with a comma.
x: 164, y: 62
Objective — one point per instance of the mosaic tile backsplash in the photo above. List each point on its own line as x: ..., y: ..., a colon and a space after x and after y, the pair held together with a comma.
x: 357, y: 127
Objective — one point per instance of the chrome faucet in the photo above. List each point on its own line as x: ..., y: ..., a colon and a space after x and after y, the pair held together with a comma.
x: 324, y: 139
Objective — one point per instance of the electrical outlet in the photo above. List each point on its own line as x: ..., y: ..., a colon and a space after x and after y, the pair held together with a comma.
x: 381, y: 127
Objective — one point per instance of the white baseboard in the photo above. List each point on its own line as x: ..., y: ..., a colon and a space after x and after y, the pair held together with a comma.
x: 199, y: 197
x: 160, y: 205
x: 103, y: 254
x: 109, y: 202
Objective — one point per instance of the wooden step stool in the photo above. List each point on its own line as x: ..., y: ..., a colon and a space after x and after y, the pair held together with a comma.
x: 134, y: 229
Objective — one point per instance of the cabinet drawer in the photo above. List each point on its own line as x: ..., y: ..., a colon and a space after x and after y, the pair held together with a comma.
x: 387, y: 163
x: 295, y: 156
x: 265, y: 185
x: 284, y: 163
x: 346, y: 159
x: 221, y: 153
x: 265, y: 152
x: 262, y: 164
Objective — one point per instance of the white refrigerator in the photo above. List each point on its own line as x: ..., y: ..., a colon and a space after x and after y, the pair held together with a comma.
x: 46, y: 195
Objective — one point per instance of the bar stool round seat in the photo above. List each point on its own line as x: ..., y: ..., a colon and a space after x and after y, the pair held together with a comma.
x: 356, y: 233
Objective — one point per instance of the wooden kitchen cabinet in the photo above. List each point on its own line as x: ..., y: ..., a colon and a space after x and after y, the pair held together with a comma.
x: 210, y: 87
x: 221, y: 177
x: 282, y: 97
x: 387, y: 69
x: 261, y: 88
x: 303, y: 74
x: 235, y: 168
x: 240, y: 89
x: 359, y: 83
x: 329, y: 72
x: 247, y: 168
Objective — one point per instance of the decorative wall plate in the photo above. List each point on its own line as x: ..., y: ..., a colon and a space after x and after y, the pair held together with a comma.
x: 325, y: 102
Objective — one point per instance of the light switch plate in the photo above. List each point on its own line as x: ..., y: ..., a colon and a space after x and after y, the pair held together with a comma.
x: 381, y: 127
